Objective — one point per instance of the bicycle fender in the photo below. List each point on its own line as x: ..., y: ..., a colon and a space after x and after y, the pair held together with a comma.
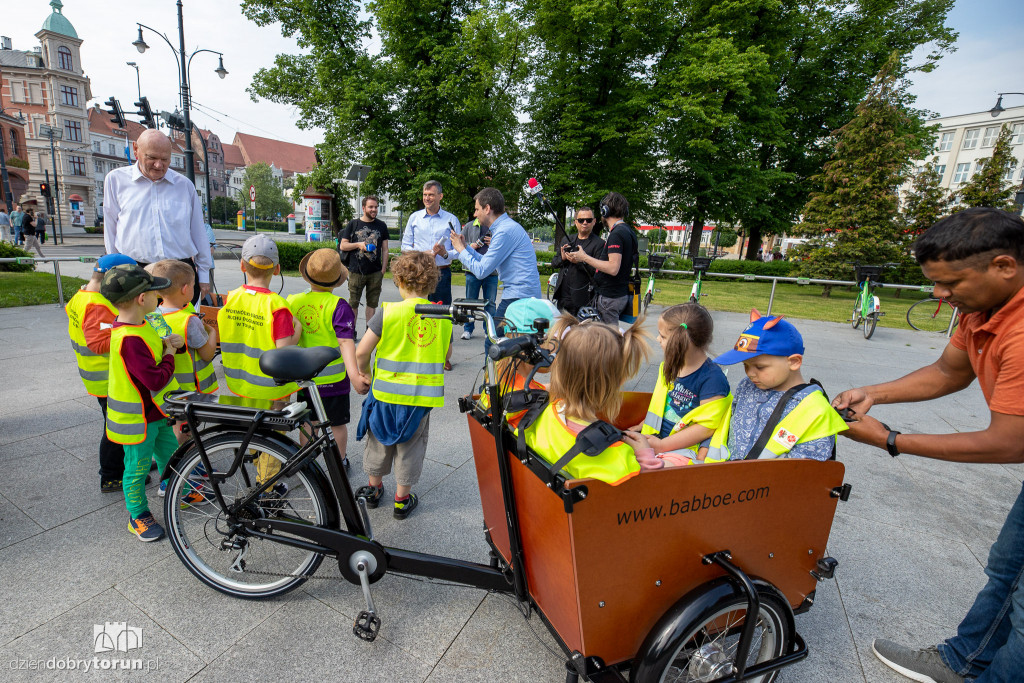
x: 693, y: 608
x: 876, y: 302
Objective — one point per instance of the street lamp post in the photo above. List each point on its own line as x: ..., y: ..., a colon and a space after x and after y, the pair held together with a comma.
x: 1018, y: 197
x: 50, y: 132
x: 183, y: 77
x: 138, y: 80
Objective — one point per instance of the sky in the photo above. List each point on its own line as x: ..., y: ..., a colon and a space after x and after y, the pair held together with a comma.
x: 989, y: 59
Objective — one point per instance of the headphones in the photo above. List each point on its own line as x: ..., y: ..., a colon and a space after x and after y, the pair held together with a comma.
x: 604, y: 210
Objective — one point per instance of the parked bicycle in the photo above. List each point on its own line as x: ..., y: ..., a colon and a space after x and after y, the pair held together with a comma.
x: 868, y: 308
x: 711, y: 600
x: 933, y: 315
x: 655, y: 262
x: 700, y: 266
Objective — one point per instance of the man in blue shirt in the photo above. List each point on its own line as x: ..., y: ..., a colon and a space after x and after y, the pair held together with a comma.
x: 427, y: 230
x: 16, y: 217
x: 510, y: 253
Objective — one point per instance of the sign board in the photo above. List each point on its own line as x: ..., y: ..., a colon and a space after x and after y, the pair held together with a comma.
x: 927, y: 288
x: 803, y: 280
x: 749, y: 278
x: 252, y: 205
x: 252, y: 193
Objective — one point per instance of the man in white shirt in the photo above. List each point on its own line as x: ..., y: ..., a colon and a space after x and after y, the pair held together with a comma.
x: 428, y: 230
x: 153, y: 213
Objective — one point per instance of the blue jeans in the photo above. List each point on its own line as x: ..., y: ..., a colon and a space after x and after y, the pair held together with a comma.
x: 19, y: 235
x: 443, y: 292
x: 500, y: 316
x: 989, y: 642
x: 490, y: 286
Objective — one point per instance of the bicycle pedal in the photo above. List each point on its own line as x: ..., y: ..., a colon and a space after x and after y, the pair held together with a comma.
x: 366, y: 626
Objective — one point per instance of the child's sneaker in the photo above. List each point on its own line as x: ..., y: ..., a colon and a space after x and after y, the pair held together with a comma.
x: 163, y: 488
x: 145, y: 527
x: 199, y: 472
x: 346, y: 464
x: 110, y: 485
x: 404, y: 507
x: 194, y: 497
x: 372, y: 494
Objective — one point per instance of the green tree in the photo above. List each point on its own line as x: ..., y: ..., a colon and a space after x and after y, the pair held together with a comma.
x: 855, y: 215
x: 437, y: 101
x: 270, y: 199
x: 223, y: 209
x: 657, y: 236
x: 989, y: 186
x: 926, y: 201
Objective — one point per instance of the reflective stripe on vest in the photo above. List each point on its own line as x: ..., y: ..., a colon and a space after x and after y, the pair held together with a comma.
x: 812, y: 418
x: 92, y: 367
x: 126, y: 418
x: 409, y: 368
x: 246, y: 323
x: 710, y: 414
x: 550, y: 438
x: 192, y: 372
x: 315, y: 310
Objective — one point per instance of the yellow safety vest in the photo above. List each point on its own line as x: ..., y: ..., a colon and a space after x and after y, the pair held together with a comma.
x: 550, y: 438
x: 246, y: 323
x: 126, y: 418
x: 192, y: 372
x: 315, y: 310
x: 711, y: 414
x: 409, y: 368
x: 812, y: 418
x: 92, y: 367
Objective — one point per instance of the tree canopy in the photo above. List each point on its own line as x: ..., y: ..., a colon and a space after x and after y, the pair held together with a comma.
x: 270, y: 197
x: 990, y: 186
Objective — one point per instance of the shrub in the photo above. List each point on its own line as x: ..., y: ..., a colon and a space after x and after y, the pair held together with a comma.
x: 292, y: 252
x: 8, y: 250
x: 265, y: 226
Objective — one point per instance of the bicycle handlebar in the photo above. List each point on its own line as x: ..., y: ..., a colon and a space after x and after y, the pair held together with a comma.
x: 435, y: 310
x: 510, y: 347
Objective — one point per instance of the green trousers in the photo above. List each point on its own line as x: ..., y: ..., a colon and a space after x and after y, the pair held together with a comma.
x: 159, y: 445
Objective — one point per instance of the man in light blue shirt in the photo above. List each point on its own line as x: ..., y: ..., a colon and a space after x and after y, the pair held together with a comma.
x: 5, y: 225
x: 511, y: 252
x: 16, y: 217
x: 428, y: 230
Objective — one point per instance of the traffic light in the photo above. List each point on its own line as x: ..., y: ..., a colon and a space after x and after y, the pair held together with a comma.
x: 117, y: 116
x: 44, y: 189
x: 145, y: 112
x: 174, y: 121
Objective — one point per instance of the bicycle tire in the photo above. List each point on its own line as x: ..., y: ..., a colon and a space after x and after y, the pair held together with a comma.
x: 929, y: 315
x: 647, y: 300
x: 856, y: 318
x: 196, y: 533
x: 869, y: 325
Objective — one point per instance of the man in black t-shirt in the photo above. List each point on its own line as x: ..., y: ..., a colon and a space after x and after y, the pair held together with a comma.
x: 612, y: 279
x: 365, y: 240
x: 576, y: 280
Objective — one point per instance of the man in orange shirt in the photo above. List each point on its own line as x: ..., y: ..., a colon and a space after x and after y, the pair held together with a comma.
x: 976, y: 259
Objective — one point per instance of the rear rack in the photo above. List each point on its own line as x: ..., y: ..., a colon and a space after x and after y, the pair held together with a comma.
x: 235, y: 410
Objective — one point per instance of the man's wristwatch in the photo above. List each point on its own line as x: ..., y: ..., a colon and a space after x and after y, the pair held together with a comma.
x: 890, y: 441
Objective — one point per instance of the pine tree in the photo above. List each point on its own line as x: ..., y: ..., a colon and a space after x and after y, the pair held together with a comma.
x: 855, y: 217
x: 926, y: 202
x: 987, y: 187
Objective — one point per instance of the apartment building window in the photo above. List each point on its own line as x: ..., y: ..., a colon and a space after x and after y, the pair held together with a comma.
x: 96, y: 146
x: 961, y: 173
x: 941, y: 170
x: 991, y: 134
x: 946, y: 143
x: 14, y: 142
x: 98, y: 166
x: 35, y: 93
x: 66, y: 62
x: 69, y: 95
x: 76, y: 165
x: 17, y: 91
x: 971, y: 138
x: 1018, y: 134
x: 112, y: 149
x: 72, y: 131
x: 1011, y: 166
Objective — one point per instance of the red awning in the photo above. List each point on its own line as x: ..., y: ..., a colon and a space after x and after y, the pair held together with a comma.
x: 76, y: 198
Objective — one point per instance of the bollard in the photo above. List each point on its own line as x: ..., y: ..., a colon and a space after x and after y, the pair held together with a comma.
x: 60, y: 287
x: 771, y: 297
x: 952, y: 320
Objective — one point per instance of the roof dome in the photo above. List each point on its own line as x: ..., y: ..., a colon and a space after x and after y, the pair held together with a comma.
x: 57, y: 22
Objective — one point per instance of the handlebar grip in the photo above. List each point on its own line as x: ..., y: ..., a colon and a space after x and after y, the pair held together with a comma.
x: 510, y: 347
x: 433, y: 309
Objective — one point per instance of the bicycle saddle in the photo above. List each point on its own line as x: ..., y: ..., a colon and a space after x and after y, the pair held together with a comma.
x: 294, y: 363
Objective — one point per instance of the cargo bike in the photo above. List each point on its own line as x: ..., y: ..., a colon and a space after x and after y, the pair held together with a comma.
x: 655, y: 579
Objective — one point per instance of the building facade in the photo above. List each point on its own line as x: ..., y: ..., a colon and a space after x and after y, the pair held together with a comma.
x: 49, y: 86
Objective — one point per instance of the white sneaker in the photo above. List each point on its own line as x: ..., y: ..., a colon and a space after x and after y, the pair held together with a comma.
x: 467, y: 335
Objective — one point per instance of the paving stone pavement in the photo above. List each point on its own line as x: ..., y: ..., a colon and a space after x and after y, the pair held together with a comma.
x: 911, y: 542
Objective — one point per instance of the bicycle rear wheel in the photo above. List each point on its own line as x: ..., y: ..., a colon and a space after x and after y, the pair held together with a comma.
x: 869, y: 325
x: 234, y: 563
x: 856, y: 318
x: 647, y: 300
x: 929, y: 315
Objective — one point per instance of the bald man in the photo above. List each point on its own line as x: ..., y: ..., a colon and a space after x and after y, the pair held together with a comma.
x: 151, y: 212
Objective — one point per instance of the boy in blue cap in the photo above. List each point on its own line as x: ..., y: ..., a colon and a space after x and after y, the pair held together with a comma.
x: 90, y: 318
x: 774, y: 395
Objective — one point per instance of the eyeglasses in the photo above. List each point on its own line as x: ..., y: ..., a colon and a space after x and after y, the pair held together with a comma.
x: 584, y: 220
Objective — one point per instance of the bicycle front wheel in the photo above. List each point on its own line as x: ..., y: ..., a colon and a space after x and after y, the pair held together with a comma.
x: 647, y: 300
x: 233, y: 562
x: 929, y: 315
x: 856, y: 318
x: 869, y: 325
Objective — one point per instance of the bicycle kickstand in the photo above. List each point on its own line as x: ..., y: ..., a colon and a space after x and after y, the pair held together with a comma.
x: 367, y: 623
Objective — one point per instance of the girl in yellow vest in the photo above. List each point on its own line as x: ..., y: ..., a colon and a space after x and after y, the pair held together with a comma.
x: 408, y: 382
x: 692, y: 396
x: 141, y: 374
x: 328, y: 320
x: 592, y: 363
x: 90, y: 317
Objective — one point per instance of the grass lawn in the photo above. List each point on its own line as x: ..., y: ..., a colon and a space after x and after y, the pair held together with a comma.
x: 32, y: 289
x: 739, y: 296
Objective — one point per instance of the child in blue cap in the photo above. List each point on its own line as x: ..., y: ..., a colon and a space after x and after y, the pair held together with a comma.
x: 771, y: 350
